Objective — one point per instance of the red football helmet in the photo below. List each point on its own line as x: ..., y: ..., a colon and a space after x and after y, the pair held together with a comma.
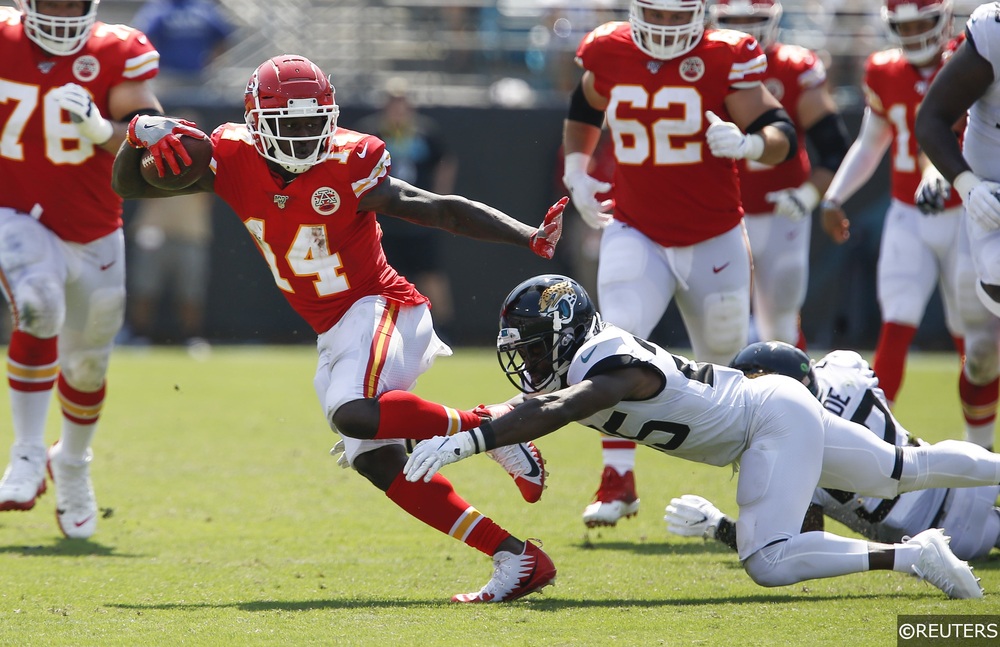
x: 759, y: 18
x: 282, y: 93
x: 918, y: 48
x: 59, y: 35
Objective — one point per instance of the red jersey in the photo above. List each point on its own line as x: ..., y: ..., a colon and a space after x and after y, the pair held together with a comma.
x: 668, y: 185
x: 791, y: 70
x: 324, y: 253
x: 894, y: 90
x: 43, y: 160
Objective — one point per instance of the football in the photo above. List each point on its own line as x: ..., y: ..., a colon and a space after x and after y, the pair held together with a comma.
x: 200, y: 151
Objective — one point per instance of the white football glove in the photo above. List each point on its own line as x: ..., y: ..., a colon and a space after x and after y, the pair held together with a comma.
x: 693, y: 516
x: 725, y: 139
x: 432, y: 454
x: 795, y: 203
x: 584, y: 189
x: 338, y: 451
x: 75, y: 100
x: 933, y: 191
x: 981, y: 198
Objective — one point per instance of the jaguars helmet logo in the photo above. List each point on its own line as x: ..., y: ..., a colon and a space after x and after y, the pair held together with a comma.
x: 557, y: 301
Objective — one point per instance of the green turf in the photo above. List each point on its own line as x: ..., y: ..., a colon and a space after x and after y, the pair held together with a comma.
x: 227, y: 523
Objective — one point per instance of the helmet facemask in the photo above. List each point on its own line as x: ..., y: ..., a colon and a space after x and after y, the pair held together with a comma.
x: 296, y: 154
x: 59, y: 35
x: 666, y: 41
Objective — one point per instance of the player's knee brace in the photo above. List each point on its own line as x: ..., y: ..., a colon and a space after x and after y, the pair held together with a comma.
x: 981, y: 360
x: 41, y: 306
x: 85, y: 370
x: 727, y: 316
x: 106, y: 316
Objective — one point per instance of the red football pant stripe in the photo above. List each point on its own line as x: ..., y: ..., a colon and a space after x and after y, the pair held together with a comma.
x: 380, y: 348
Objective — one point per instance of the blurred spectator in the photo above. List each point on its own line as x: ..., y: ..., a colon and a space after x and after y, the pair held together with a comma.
x: 170, y: 240
x: 420, y: 157
x: 189, y: 34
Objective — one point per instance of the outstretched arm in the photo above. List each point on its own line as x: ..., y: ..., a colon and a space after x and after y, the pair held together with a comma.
x: 459, y: 215
x: 531, y: 419
x: 693, y: 516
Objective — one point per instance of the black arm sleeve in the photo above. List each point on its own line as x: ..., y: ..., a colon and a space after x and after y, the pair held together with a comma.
x: 778, y: 118
x: 581, y: 110
x: 829, y: 137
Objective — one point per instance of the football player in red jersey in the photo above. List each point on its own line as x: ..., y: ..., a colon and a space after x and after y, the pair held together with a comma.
x: 921, y: 237
x: 683, y: 104
x: 70, y: 85
x: 779, y: 200
x: 308, y: 191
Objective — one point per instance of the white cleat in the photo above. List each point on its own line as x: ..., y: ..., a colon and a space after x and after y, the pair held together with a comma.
x: 939, y: 566
x: 76, y: 507
x: 514, y: 576
x: 608, y: 513
x: 615, y: 499
x: 24, y: 479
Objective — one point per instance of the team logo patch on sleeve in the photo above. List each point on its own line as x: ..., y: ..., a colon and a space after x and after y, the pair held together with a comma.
x: 325, y: 201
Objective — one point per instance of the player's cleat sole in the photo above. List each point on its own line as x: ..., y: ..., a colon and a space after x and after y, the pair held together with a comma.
x: 514, y: 576
x: 602, y: 514
x: 940, y: 567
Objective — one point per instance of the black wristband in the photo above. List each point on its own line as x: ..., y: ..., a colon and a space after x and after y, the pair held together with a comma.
x: 488, y: 435
x: 726, y: 532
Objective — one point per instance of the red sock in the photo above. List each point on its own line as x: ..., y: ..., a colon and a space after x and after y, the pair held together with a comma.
x: 617, y: 443
x: 80, y: 407
x: 404, y: 415
x: 32, y: 363
x: 440, y: 507
x: 890, y: 357
x: 979, y: 403
x: 800, y: 343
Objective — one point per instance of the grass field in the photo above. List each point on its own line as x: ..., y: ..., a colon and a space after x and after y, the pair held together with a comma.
x: 225, y: 522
